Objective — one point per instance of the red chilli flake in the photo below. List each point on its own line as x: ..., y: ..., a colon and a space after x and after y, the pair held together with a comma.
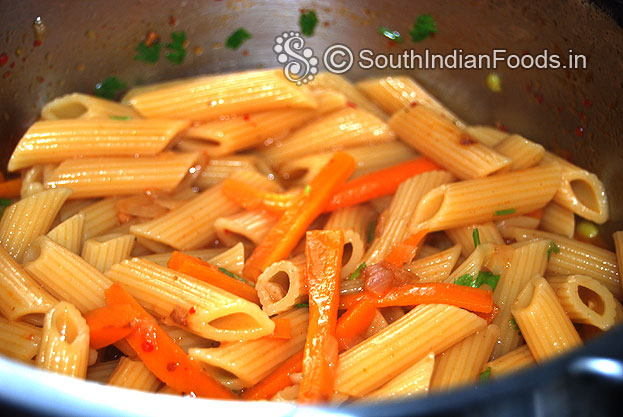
x: 466, y: 139
x: 413, y: 104
x: 579, y: 131
x: 246, y: 116
x: 4, y: 58
x: 192, y: 310
x: 245, y: 52
x: 587, y: 103
x: 37, y: 42
x: 172, y: 21
x: 172, y: 366
x: 351, y: 104
x: 12, y: 65
x: 147, y: 346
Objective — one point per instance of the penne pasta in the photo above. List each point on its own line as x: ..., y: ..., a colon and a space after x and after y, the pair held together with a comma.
x: 412, y: 382
x: 69, y: 233
x: 248, y: 227
x: 617, y: 237
x: 465, y: 236
x: 187, y: 340
x: 84, y: 106
x: 217, y: 169
x: 104, y: 251
x: 133, y: 375
x: 326, y: 80
x: 19, y: 340
x: 512, y: 361
x: 282, y: 285
x: 101, y: 371
x: 203, y: 254
x: 474, y: 262
x: 522, y: 152
x: 507, y: 225
x: 99, y: 218
x: 435, y: 267
x: 557, y: 219
x: 232, y: 259
x: 487, y: 135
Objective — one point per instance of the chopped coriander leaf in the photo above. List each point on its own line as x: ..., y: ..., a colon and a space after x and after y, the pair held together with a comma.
x: 114, y: 117
x: 308, y: 22
x: 553, y: 247
x: 465, y: 280
x: 357, y: 271
x: 505, y: 212
x: 234, y: 276
x: 394, y: 35
x: 109, y: 87
x: 148, y: 53
x: 423, y: 27
x: 513, y: 324
x: 371, y: 230
x: 301, y: 305
x: 485, y: 277
x: 5, y: 202
x: 175, y: 49
x: 237, y: 38
x: 307, y: 190
x: 485, y: 375
x: 476, y: 237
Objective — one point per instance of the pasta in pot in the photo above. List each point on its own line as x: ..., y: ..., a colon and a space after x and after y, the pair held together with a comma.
x: 331, y: 242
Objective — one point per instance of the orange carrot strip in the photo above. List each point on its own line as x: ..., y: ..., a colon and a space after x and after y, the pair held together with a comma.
x: 489, y: 316
x: 109, y: 324
x: 353, y: 323
x: 251, y: 198
x: 276, y: 380
x: 405, y: 251
x: 291, y: 226
x: 200, y: 269
x: 379, y: 183
x: 474, y: 299
x: 10, y: 188
x: 323, y: 253
x: 282, y: 329
x: 162, y: 356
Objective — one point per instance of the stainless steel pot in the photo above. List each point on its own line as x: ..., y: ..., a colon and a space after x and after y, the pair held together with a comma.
x: 574, y: 111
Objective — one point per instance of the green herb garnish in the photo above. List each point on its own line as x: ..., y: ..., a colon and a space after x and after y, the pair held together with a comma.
x: 148, y: 53
x: 513, y: 323
x: 307, y: 190
x: 175, y: 49
x: 109, y: 87
x: 423, y: 27
x: 301, y: 305
x: 234, y: 276
x: 483, y: 277
x: 394, y: 35
x: 553, y: 247
x: 485, y: 375
x: 476, y: 237
x: 505, y: 212
x: 370, y: 231
x: 465, y: 280
x: 357, y: 271
x: 5, y: 202
x: 308, y: 22
x: 237, y: 38
x: 114, y: 117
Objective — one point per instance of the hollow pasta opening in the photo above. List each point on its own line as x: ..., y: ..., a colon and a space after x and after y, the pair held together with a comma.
x: 282, y: 280
x: 235, y: 322
x: 585, y: 193
x: 430, y: 205
x: 348, y: 253
x: 591, y: 299
x: 69, y: 110
x: 33, y: 252
x: 65, y: 325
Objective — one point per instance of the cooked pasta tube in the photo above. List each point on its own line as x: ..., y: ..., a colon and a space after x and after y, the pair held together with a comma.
x: 73, y: 207
x: 19, y: 340
x: 486, y: 199
x: 401, y: 210
x: 79, y: 283
x: 487, y: 135
x: 50, y: 141
x: 507, y: 225
x: 191, y: 225
x: 99, y: 217
x: 329, y: 100
x: 186, y: 339
x: 133, y: 375
x: 243, y: 364
x: 282, y: 285
x: 29, y: 218
x: 32, y: 181
x: 187, y: 302
x: 232, y: 259
x: 69, y: 233
x: 339, y: 130
x: 377, y: 325
x: 466, y: 236
x: 217, y: 169
x: 435, y: 267
x: 585, y: 300
x: 522, y: 152
x: 377, y: 360
x: 525, y: 262
x: 545, y: 326
x: 427, y: 250
x: 577, y: 257
x: 474, y: 262
x: 415, y: 380
x: 617, y: 237
x: 462, y: 363
x: 557, y: 219
x: 248, y: 227
x: 208, y: 97
x: 442, y: 141
x: 326, y: 80
x: 64, y: 341
x: 514, y: 360
x: 103, y: 177
x: 580, y: 191
x: 20, y: 295
x: 300, y: 171
x: 85, y: 106
x: 101, y: 371
x: 394, y: 93
x: 104, y: 251
x: 203, y: 254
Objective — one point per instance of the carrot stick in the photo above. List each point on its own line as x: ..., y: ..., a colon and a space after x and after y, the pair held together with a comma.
x: 251, y: 198
x: 354, y: 323
x: 282, y: 329
x: 161, y: 355
x: 198, y: 268
x: 109, y: 324
x: 474, y: 299
x: 291, y: 226
x: 405, y: 251
x: 10, y: 188
x: 379, y: 183
x: 276, y: 380
x: 323, y: 252
x: 489, y: 316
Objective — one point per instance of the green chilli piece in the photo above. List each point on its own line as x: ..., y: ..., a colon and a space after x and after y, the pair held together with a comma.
x: 357, y: 271
x: 505, y: 212
x: 587, y: 230
x: 476, y: 237
x: 307, y: 190
x: 114, y: 117
x: 237, y: 38
x: 485, y: 375
x: 301, y: 305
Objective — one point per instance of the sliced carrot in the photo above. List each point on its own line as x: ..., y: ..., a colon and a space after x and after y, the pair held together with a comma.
x: 282, y: 329
x: 291, y: 226
x: 474, y: 299
x: 200, y: 269
x: 276, y: 380
x: 109, y: 324
x: 251, y: 198
x: 379, y: 183
x: 489, y: 316
x: 10, y: 188
x: 161, y: 355
x: 323, y: 253
x: 405, y: 251
x: 353, y: 323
